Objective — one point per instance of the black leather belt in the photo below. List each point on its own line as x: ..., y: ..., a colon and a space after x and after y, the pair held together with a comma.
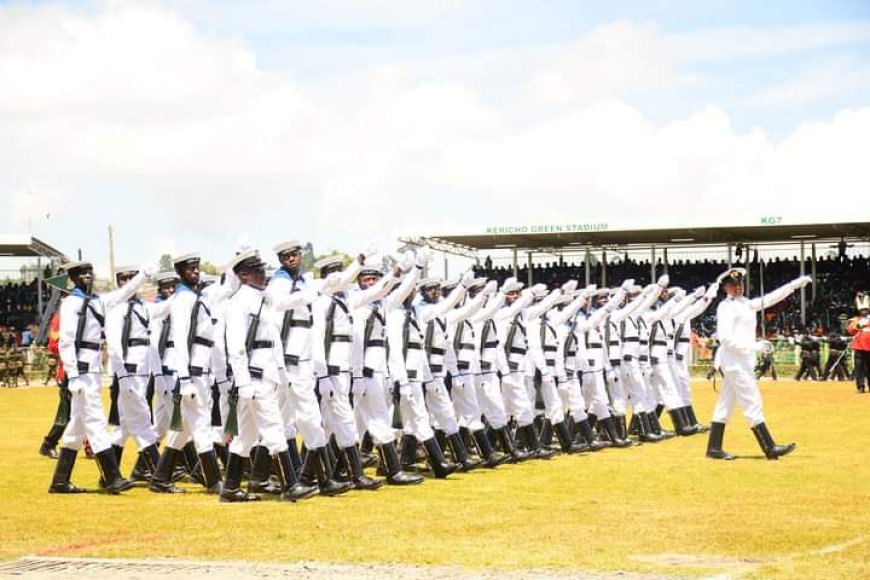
x: 333, y: 370
x: 594, y: 345
x: 291, y: 359
x: 82, y: 367
x: 463, y: 365
x: 138, y: 342
x: 627, y: 357
x: 436, y: 350
x: 170, y: 343
x: 514, y: 366
x: 262, y: 344
x: 680, y: 357
x: 299, y: 324
x: 255, y: 372
x: 87, y: 345
x: 340, y: 338
x: 654, y: 360
x: 375, y: 342
x: 166, y: 370
x: 550, y: 362
x: 615, y: 363
x: 490, y: 344
x: 414, y: 346
x: 368, y: 372
x: 196, y: 371
x: 412, y: 374
x: 517, y: 350
x: 485, y: 365
x: 549, y: 348
x: 660, y: 342
x: 436, y: 368
x: 630, y: 339
x: 203, y: 341
x: 466, y: 346
x: 643, y: 358
x: 131, y: 367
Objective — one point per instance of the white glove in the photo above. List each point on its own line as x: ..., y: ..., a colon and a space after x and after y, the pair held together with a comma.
x: 422, y: 258
x: 627, y: 284
x: 332, y: 282
x: 679, y: 294
x: 712, y: 291
x: 149, y: 270
x: 802, y: 281
x: 370, y: 250
x: 467, y: 278
x: 663, y: 281
x: 589, y: 291
x: 569, y: 286
x: 699, y: 291
x: 490, y: 288
x: 308, y: 277
x: 538, y: 288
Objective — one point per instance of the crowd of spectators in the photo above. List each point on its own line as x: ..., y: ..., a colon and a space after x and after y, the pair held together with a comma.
x: 838, y: 279
x: 19, y: 303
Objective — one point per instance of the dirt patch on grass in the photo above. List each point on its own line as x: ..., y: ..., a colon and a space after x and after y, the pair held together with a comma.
x: 106, y: 569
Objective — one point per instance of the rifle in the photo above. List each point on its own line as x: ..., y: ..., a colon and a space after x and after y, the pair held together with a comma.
x: 61, y: 418
x: 114, y: 389
x: 176, y: 423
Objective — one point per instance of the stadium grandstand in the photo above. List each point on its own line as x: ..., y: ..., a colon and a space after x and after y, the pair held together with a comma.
x: 772, y: 249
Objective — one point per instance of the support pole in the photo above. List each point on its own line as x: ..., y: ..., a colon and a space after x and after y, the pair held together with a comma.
x: 803, y: 288
x: 813, y: 273
x: 529, y: 284
x: 665, y: 259
x: 652, y: 264
x: 516, y: 270
x: 604, y: 268
x: 588, y: 267
x: 729, y: 254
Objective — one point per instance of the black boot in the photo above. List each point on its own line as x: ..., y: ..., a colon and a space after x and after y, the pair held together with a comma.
x: 294, y: 455
x: 439, y: 465
x: 507, y: 445
x: 232, y: 491
x: 565, y: 441
x: 360, y: 479
x: 689, y: 424
x: 693, y: 420
x: 634, y: 425
x: 441, y: 438
x: 460, y: 453
x: 316, y: 470
x: 392, y: 467
x: 714, y: 443
x: 211, y: 471
x: 491, y: 459
x: 143, y: 470
x: 546, y: 431
x: 118, y: 452
x: 645, y: 431
x: 679, y: 424
x: 589, y: 435
x: 60, y: 482
x: 615, y: 440
x: 191, y: 464
x: 107, y: 463
x: 533, y: 444
x: 771, y: 449
x: 261, y: 471
x: 656, y: 426
x: 161, y: 481
x: 49, y: 443
x: 291, y: 489
x: 621, y: 430
x: 409, y: 454
x: 366, y: 446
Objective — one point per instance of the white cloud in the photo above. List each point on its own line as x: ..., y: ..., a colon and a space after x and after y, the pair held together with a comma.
x: 184, y: 140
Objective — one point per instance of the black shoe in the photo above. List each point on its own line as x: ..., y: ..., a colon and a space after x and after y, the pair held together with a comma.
x: 291, y: 489
x: 680, y: 426
x: 439, y: 465
x: 107, y: 463
x: 609, y: 426
x: 162, y: 480
x: 507, y: 445
x: 48, y: 451
x: 360, y: 480
x: 491, y: 458
x: 141, y: 472
x: 316, y: 470
x: 645, y: 431
x: 261, y: 470
x: 585, y: 429
x: 231, y: 491
x: 565, y: 440
x: 409, y: 454
x: 211, y: 472
x: 460, y: 453
x: 530, y: 437
x: 765, y: 440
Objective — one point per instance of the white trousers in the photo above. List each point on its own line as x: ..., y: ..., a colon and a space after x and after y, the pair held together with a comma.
x: 300, y: 409
x: 87, y: 418
x: 465, y: 402
x: 260, y: 420
x: 135, y: 417
x: 440, y: 406
x: 335, y: 407
x: 490, y: 399
x: 595, y: 394
x: 553, y: 409
x: 681, y: 380
x: 162, y: 404
x: 637, y: 390
x: 218, y: 434
x: 516, y: 399
x: 371, y: 410
x: 412, y: 406
x: 572, y: 399
x: 616, y: 390
x: 739, y: 388
x: 195, y: 417
x: 662, y: 382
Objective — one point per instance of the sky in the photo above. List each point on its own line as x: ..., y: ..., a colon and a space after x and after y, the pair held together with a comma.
x: 199, y: 125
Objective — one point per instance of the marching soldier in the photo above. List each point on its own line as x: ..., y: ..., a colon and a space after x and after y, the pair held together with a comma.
x: 291, y: 294
x: 128, y: 338
x: 82, y: 321
x: 735, y: 326
x: 255, y: 355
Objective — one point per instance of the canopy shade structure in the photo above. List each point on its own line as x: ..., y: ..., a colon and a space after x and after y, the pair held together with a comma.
x: 24, y: 246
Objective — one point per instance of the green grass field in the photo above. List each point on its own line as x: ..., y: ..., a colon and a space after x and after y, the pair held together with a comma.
x: 661, y: 509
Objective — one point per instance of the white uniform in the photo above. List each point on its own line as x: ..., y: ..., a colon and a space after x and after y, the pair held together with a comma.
x: 735, y: 327
x: 543, y: 351
x: 80, y: 355
x: 190, y: 360
x: 568, y: 368
x: 128, y: 338
x: 432, y: 319
x: 512, y: 360
x: 591, y: 348
x: 258, y: 372
x: 637, y: 388
x: 369, y: 361
x: 292, y: 296
x: 661, y: 379
x: 463, y: 363
x: 160, y: 354
x: 682, y: 344
x: 486, y: 362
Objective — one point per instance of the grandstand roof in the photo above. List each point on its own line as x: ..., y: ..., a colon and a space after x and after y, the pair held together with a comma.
x: 24, y: 246
x: 531, y: 237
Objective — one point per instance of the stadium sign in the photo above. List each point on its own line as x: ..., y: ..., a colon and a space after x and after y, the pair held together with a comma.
x: 548, y: 229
